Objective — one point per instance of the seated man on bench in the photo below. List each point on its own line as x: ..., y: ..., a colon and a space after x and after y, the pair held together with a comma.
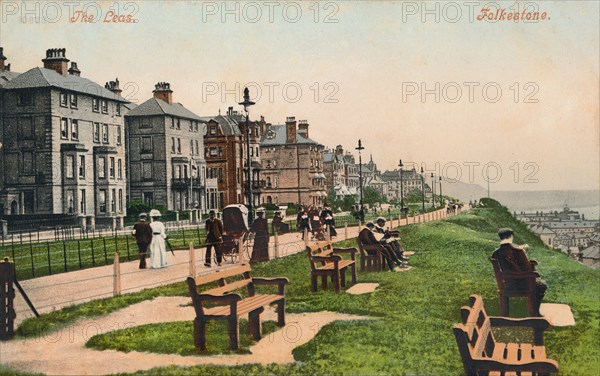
x: 367, y: 237
x: 390, y: 239
x: 512, y: 258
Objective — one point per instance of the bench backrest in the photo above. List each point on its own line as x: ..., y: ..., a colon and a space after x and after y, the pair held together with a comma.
x: 474, y: 335
x: 321, y: 249
x: 513, y: 283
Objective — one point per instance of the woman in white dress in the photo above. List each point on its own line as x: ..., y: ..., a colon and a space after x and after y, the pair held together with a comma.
x: 158, y: 251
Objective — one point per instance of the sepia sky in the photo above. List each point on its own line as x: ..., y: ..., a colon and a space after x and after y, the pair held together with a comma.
x: 357, y: 70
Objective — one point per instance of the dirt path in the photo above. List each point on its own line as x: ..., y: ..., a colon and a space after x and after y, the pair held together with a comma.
x: 64, y: 352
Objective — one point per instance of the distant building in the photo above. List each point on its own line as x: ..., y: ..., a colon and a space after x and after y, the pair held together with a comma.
x: 341, y: 172
x: 63, y: 146
x: 166, y: 154
x: 292, y: 165
x: 412, y: 183
x: 591, y: 256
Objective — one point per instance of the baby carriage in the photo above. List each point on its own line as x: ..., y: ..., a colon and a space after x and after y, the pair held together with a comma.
x: 316, y: 226
x: 235, y: 230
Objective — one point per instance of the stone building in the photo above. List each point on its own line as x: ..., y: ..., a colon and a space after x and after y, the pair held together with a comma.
x: 165, y: 146
x: 411, y: 183
x: 226, y: 157
x: 341, y: 172
x: 63, y: 146
x: 292, y: 165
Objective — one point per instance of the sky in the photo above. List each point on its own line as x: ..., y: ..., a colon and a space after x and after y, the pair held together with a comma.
x: 425, y: 82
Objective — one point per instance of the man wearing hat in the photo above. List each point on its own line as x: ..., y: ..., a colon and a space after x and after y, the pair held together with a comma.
x: 214, y: 238
x: 279, y: 226
x: 142, y: 232
x: 367, y: 237
x: 390, y: 239
x: 260, y: 229
x: 158, y: 249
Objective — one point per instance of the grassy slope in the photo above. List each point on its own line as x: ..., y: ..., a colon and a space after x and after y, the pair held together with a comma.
x: 417, y: 308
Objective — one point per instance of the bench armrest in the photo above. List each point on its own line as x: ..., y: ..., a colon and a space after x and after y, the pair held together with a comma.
x: 280, y: 282
x: 533, y: 263
x: 225, y: 298
x: 538, y: 324
x: 332, y: 258
x: 372, y: 247
x: 351, y: 251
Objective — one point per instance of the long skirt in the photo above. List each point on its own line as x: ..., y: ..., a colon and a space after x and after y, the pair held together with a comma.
x: 158, y: 252
x: 260, y: 250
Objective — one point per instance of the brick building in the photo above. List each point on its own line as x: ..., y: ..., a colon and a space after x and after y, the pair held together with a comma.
x: 292, y: 165
x: 165, y: 146
x: 63, y: 146
x: 226, y: 157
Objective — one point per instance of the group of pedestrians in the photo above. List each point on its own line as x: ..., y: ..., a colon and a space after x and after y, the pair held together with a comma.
x: 151, y: 237
x: 315, y: 220
x: 387, y: 242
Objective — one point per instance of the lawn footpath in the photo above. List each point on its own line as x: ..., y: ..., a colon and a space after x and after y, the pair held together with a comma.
x: 415, y: 310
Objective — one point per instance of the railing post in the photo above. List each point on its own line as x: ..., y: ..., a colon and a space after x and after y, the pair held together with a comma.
x: 192, y: 261
x: 327, y: 237
x: 116, y: 276
x: 306, y: 237
x: 346, y: 231
x: 276, y: 245
x: 241, y: 250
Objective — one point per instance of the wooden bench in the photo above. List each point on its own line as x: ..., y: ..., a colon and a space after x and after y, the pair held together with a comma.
x: 516, y: 284
x: 370, y: 256
x: 482, y: 355
x: 325, y: 261
x: 220, y: 303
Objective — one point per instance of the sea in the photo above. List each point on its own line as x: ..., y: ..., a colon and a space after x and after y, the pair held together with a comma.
x: 590, y: 212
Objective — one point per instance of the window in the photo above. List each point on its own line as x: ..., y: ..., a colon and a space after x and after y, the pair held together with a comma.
x: 104, y: 106
x: 172, y: 122
x: 257, y: 151
x: 178, y: 123
x: 95, y: 104
x: 111, y: 169
x: 197, y: 148
x: 73, y: 100
x: 145, y: 123
x: 69, y: 166
x: 82, y: 201
x: 146, y: 170
x: 192, y: 147
x: 118, y: 109
x: 120, y: 169
x: 213, y: 129
x: 220, y: 151
x: 63, y: 99
x: 173, y: 145
x: 64, y: 128
x: 25, y: 98
x: 28, y: 163
x: 75, y: 129
x: 191, y: 126
x: 221, y: 174
x: 105, y: 133
x: 102, y: 167
x: 119, y: 137
x: 82, y: 166
x: 185, y: 171
x: 148, y: 198
x: 96, y: 132
x: 102, y: 201
x: 69, y: 201
x: 120, y: 200
x: 178, y: 172
x: 178, y: 146
x: 113, y: 199
x: 146, y: 145
x: 27, y: 132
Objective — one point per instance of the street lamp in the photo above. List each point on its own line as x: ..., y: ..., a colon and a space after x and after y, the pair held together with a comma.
x: 361, y: 214
x: 441, y: 196
x: 432, y: 191
x: 247, y: 103
x: 423, y: 187
x: 401, y: 185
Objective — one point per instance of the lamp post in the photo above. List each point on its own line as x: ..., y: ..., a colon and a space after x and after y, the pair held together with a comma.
x: 247, y: 103
x: 432, y: 191
x: 423, y: 187
x: 401, y: 185
x: 361, y: 214
x: 441, y: 196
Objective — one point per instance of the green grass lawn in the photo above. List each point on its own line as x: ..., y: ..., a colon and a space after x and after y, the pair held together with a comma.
x: 417, y: 308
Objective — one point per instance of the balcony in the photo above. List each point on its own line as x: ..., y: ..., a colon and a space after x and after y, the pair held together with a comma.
x: 179, y: 184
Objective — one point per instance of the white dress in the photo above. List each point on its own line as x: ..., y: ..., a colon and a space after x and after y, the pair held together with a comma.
x: 158, y: 251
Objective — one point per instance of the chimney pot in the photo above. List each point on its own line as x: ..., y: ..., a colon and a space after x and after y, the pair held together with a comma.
x: 114, y: 86
x: 162, y: 91
x: 74, y: 71
x: 56, y: 60
x: 2, y: 60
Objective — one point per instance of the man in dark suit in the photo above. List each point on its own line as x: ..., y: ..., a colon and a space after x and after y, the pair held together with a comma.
x: 367, y: 237
x: 214, y: 238
x: 142, y: 232
x: 512, y: 258
x: 390, y: 239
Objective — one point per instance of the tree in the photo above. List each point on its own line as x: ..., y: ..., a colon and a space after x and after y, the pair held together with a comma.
x: 372, y: 196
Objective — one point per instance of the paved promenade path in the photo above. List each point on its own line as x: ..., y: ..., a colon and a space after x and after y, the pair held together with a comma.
x: 64, y: 351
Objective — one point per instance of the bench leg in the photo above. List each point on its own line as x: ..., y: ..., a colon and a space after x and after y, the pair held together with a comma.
x: 313, y: 282
x: 503, y: 305
x: 336, y: 280
x: 324, y: 282
x: 254, y: 324
x: 281, y: 313
x: 362, y: 264
x: 200, y: 334
x: 234, y: 332
x: 343, y: 277
x: 353, y: 266
x: 531, y: 305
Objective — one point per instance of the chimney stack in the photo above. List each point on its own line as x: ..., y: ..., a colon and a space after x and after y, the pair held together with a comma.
x: 229, y: 111
x: 303, y: 128
x: 74, y: 71
x: 2, y: 60
x: 114, y: 87
x: 290, y: 123
x: 56, y: 60
x: 162, y: 90
x: 339, y: 150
